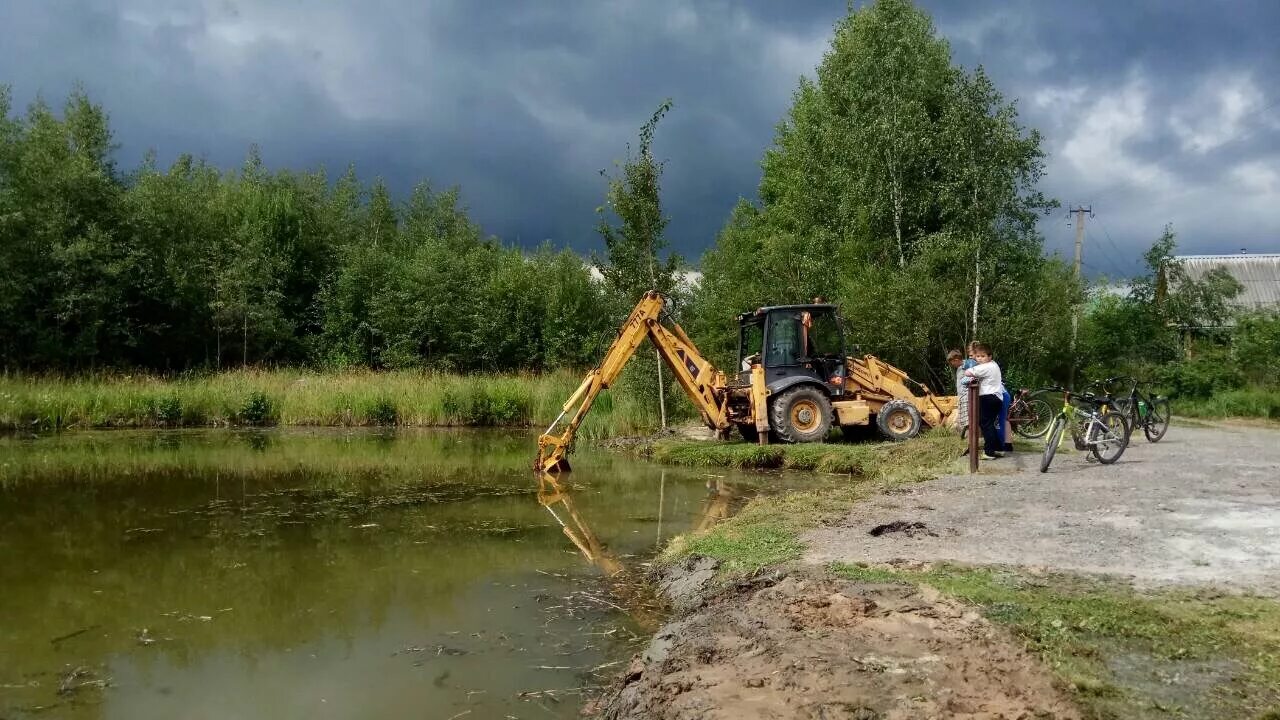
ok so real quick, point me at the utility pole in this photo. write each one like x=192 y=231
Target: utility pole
x=1080 y=212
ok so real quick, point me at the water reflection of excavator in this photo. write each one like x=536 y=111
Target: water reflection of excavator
x=557 y=498
x=795 y=382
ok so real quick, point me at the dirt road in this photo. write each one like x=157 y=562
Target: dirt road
x=1200 y=507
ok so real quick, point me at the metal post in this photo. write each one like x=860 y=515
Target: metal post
x=973 y=427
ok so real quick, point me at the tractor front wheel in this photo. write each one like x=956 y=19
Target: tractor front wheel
x=899 y=420
x=801 y=415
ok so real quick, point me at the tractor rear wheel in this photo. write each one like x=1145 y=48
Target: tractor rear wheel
x=801 y=415
x=899 y=420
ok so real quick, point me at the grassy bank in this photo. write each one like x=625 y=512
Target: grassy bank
x=1121 y=652
x=295 y=397
x=1253 y=402
x=768 y=529
x=1127 y=654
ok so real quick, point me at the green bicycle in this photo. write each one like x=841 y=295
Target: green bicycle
x=1094 y=427
x=1144 y=410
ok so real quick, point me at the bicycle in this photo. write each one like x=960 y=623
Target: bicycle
x=1099 y=430
x=1146 y=410
x=1030 y=414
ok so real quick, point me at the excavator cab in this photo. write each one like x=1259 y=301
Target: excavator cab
x=794 y=344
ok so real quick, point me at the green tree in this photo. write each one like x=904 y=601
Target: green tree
x=366 y=241
x=62 y=248
x=633 y=264
x=902 y=187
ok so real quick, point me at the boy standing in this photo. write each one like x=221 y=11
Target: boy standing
x=956 y=361
x=990 y=399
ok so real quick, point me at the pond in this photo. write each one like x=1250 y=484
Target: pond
x=326 y=573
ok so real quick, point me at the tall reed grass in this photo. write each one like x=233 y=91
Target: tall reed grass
x=299 y=397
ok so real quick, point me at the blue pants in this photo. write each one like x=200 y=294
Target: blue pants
x=988 y=416
x=1005 y=402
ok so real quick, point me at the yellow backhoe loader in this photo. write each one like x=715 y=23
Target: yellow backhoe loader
x=795 y=382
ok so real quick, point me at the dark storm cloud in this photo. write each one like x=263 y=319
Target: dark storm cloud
x=1153 y=112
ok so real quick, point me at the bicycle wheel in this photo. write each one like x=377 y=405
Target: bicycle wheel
x=1114 y=438
x=1051 y=445
x=1037 y=418
x=1157 y=421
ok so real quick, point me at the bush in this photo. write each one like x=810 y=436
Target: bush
x=382 y=411
x=1201 y=376
x=168 y=410
x=1255 y=346
x=487 y=406
x=257 y=409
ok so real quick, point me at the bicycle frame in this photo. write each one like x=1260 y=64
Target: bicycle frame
x=1134 y=400
x=1092 y=421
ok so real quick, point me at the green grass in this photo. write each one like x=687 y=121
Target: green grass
x=1081 y=627
x=298 y=397
x=1252 y=402
x=863 y=459
x=767 y=531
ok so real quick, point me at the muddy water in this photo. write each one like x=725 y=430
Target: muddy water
x=324 y=574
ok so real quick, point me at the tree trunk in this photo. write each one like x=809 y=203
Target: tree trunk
x=895 y=197
x=977 y=285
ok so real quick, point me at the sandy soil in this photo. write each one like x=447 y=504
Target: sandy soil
x=792 y=646
x=1200 y=507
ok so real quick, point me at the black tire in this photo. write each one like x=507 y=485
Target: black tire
x=899 y=420
x=749 y=432
x=801 y=415
x=1051 y=445
x=1156 y=423
x=1118 y=425
x=1040 y=414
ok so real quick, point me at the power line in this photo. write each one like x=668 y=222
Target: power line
x=1112 y=242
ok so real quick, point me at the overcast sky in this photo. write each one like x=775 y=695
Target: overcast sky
x=1154 y=111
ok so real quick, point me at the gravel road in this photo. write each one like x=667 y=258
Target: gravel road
x=1201 y=507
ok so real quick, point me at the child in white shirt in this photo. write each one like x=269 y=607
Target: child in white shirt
x=990 y=399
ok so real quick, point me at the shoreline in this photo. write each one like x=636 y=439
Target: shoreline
x=754 y=629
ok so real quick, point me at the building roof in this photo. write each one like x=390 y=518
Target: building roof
x=1259 y=273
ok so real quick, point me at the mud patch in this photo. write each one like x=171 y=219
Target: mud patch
x=910 y=529
x=804 y=646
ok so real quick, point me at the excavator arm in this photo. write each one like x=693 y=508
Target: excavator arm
x=700 y=380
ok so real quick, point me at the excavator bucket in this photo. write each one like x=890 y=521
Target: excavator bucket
x=551 y=456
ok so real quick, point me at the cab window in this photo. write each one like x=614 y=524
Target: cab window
x=784 y=339
x=751 y=343
x=824 y=336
